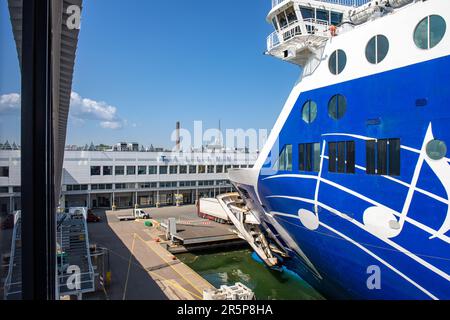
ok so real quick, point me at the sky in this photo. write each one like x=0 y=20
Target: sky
x=142 y=65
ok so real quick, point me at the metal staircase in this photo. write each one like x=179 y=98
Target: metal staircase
x=74 y=265
x=13 y=282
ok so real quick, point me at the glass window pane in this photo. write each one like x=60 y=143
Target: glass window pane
x=371 y=51
x=323 y=15
x=394 y=157
x=382 y=47
x=309 y=111
x=332 y=63
x=421 y=34
x=301 y=157
x=337 y=107
x=307 y=13
x=341 y=157
x=342 y=61
x=316 y=157
x=382 y=157
x=370 y=156
x=350 y=157
x=309 y=155
x=437 y=30
x=332 y=149
x=436 y=149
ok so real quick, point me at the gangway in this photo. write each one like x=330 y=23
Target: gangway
x=74 y=265
x=13 y=282
x=247 y=226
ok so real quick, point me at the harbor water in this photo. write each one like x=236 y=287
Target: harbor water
x=227 y=268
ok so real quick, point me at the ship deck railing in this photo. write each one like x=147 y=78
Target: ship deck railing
x=316 y=27
x=347 y=3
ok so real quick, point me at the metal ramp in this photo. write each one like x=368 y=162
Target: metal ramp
x=248 y=226
x=74 y=265
x=13 y=282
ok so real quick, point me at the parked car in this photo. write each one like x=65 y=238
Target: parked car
x=91 y=217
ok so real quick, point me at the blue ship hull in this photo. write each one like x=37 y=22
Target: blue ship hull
x=406 y=104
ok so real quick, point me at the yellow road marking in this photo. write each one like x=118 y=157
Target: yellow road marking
x=129 y=267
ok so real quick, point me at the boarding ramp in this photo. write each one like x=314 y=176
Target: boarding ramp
x=13 y=282
x=75 y=269
x=247 y=226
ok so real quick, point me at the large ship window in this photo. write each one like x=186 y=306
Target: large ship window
x=336 y=18
x=291 y=15
x=337 y=107
x=309 y=157
x=383 y=157
x=337 y=62
x=377 y=49
x=341 y=157
x=284 y=161
x=309 y=111
x=323 y=15
x=436 y=149
x=429 y=32
x=307 y=13
x=275 y=24
x=282 y=20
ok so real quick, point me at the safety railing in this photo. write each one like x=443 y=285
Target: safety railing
x=13 y=282
x=348 y=3
x=313 y=27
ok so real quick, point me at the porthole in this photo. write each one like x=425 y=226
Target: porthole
x=377 y=49
x=309 y=111
x=436 y=149
x=429 y=32
x=337 y=107
x=337 y=62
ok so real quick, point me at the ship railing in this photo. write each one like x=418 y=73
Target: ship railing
x=313 y=27
x=347 y=3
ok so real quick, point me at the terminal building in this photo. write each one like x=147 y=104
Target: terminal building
x=117 y=179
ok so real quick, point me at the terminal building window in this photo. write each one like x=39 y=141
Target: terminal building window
x=131 y=170
x=227 y=167
x=95 y=170
x=119 y=170
x=120 y=186
x=206 y=183
x=77 y=187
x=192 y=169
x=4 y=172
x=183 y=169
x=4 y=190
x=152 y=170
x=173 y=169
x=142 y=170
x=202 y=169
x=383 y=157
x=210 y=169
x=163 y=170
x=19 y=189
x=107 y=170
x=284 y=162
x=309 y=157
x=341 y=157
x=184 y=184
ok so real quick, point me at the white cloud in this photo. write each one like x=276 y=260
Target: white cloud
x=10 y=103
x=82 y=109
x=114 y=125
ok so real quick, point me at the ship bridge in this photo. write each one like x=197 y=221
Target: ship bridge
x=303 y=26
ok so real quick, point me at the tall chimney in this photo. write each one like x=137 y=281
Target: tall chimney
x=178 y=142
